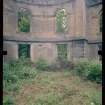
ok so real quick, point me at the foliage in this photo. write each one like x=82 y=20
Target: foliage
x=69 y=91
x=41 y=64
x=24 y=50
x=95 y=72
x=91 y=70
x=61 y=21
x=49 y=99
x=94 y=96
x=23 y=22
x=62 y=51
x=8 y=101
x=15 y=71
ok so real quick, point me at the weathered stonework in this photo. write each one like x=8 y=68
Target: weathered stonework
x=82 y=21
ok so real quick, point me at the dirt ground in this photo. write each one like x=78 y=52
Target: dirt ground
x=58 y=88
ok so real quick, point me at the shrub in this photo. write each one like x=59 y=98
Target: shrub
x=13 y=71
x=21 y=61
x=95 y=72
x=41 y=64
x=8 y=101
x=8 y=87
x=27 y=72
x=81 y=67
x=91 y=70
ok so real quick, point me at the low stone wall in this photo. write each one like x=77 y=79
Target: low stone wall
x=48 y=51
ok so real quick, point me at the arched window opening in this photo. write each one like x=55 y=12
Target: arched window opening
x=61 y=21
x=23 y=21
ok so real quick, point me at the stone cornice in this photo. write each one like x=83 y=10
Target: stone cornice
x=45 y=3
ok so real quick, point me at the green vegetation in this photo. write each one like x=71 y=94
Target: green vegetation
x=8 y=101
x=24 y=50
x=13 y=74
x=41 y=64
x=23 y=22
x=92 y=70
x=61 y=21
x=62 y=51
x=23 y=84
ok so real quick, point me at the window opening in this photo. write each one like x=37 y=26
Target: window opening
x=24 y=51
x=61 y=21
x=23 y=21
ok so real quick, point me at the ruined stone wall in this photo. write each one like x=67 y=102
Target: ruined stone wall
x=9 y=17
x=43 y=18
x=93 y=51
x=43 y=24
x=45 y=51
x=12 y=50
x=80 y=18
x=93 y=21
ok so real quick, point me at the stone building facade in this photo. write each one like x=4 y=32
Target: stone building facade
x=82 y=40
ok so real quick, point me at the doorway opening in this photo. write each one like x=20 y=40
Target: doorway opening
x=62 y=52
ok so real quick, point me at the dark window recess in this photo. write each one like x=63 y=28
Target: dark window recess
x=62 y=51
x=24 y=51
x=4 y=52
x=100 y=52
x=100 y=47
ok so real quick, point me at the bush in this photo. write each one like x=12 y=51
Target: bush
x=8 y=101
x=27 y=72
x=41 y=64
x=13 y=71
x=21 y=61
x=81 y=67
x=95 y=72
x=91 y=70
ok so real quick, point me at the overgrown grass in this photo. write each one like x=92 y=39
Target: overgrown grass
x=14 y=72
x=41 y=64
x=55 y=88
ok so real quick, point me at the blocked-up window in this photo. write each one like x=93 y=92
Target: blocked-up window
x=24 y=51
x=23 y=20
x=78 y=48
x=62 y=51
x=61 y=21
